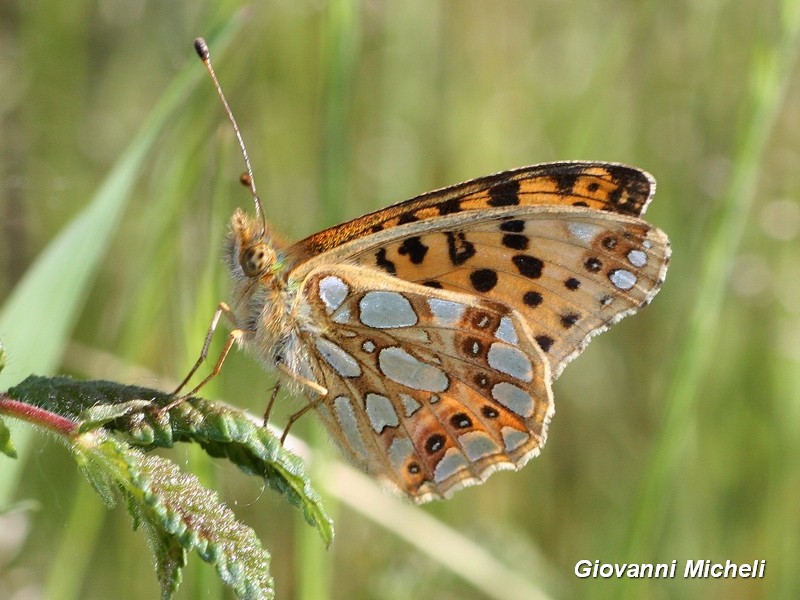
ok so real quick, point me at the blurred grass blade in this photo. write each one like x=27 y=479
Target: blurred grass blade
x=37 y=319
x=446 y=546
x=771 y=69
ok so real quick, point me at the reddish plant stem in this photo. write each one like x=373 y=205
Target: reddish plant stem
x=37 y=416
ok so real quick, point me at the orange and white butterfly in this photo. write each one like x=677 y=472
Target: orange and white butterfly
x=427 y=334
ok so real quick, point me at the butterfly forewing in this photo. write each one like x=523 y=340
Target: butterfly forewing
x=570 y=271
x=601 y=186
x=430 y=390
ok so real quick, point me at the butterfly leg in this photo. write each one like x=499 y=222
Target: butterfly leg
x=222 y=308
x=233 y=337
x=268 y=411
x=296 y=416
x=312 y=385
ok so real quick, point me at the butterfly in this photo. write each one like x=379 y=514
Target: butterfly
x=427 y=335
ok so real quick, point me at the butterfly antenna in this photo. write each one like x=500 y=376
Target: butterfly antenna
x=202 y=51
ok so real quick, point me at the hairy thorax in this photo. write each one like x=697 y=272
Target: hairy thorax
x=259 y=296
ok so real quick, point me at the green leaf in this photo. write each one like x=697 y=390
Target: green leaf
x=171 y=557
x=70 y=397
x=98 y=416
x=6 y=445
x=98 y=478
x=221 y=430
x=178 y=515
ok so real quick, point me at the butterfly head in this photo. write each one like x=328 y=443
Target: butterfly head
x=250 y=252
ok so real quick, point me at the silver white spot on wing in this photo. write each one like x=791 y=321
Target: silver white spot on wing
x=409 y=404
x=584 y=232
x=399 y=451
x=368 y=346
x=622 y=279
x=385 y=310
x=637 y=258
x=478 y=444
x=346 y=416
x=339 y=360
x=399 y=366
x=511 y=361
x=332 y=292
x=446 y=312
x=452 y=462
x=381 y=412
x=506 y=332
x=513 y=438
x=513 y=398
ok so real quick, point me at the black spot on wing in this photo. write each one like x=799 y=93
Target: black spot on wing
x=414 y=249
x=434 y=443
x=483 y=280
x=609 y=243
x=545 y=342
x=504 y=194
x=489 y=412
x=529 y=266
x=481 y=380
x=593 y=264
x=460 y=421
x=459 y=249
x=408 y=217
x=569 y=320
x=449 y=207
x=513 y=226
x=384 y=263
x=515 y=241
x=565 y=182
x=532 y=298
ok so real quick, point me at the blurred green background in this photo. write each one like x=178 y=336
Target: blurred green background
x=677 y=433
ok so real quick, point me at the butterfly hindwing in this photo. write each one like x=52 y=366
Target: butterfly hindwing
x=431 y=390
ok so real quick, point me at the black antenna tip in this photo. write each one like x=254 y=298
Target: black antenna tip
x=245 y=180
x=201 y=48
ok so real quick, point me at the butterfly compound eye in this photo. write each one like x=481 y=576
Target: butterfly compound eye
x=256 y=259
